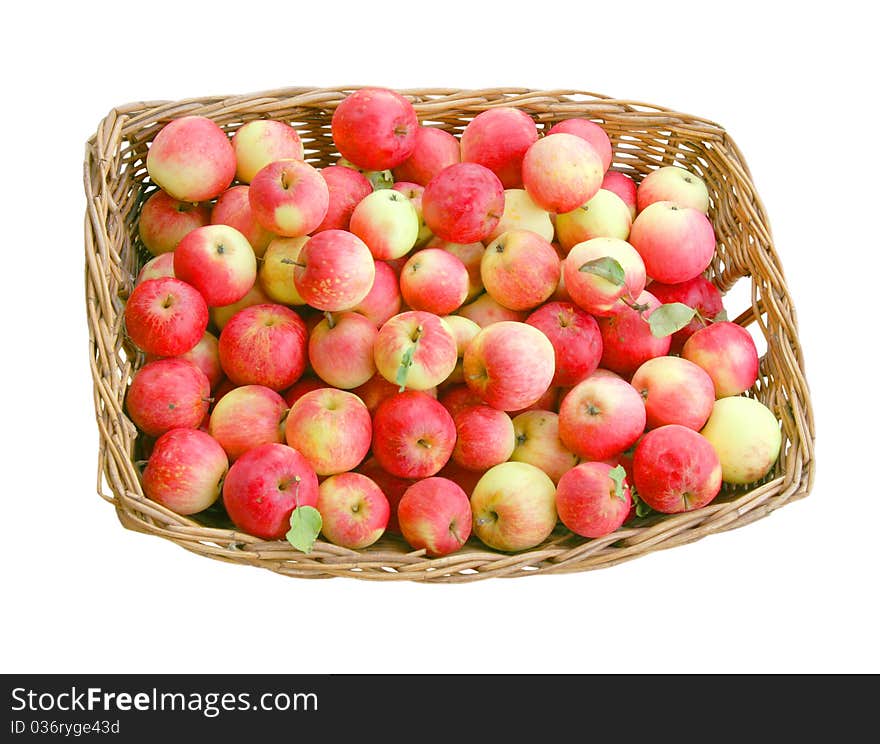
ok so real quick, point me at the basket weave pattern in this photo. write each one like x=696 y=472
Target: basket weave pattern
x=643 y=137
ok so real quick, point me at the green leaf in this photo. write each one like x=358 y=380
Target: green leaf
x=380 y=179
x=403 y=370
x=618 y=474
x=642 y=509
x=721 y=317
x=606 y=267
x=669 y=318
x=305 y=525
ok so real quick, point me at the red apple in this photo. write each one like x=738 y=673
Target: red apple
x=595 y=292
x=263 y=141
x=590 y=502
x=698 y=293
x=218 y=261
x=435 y=281
x=383 y=301
x=341 y=350
x=247 y=417
x=520 y=269
x=289 y=198
x=624 y=186
x=165 y=316
x=346 y=187
x=538 y=443
x=435 y=149
x=354 y=510
x=334 y=271
x=463 y=203
x=561 y=172
x=484 y=437
x=435 y=514
x=627 y=340
x=168 y=394
x=577 y=342
x=416 y=350
x=233 y=208
x=675 y=391
x=164 y=221
x=592 y=133
x=728 y=354
x=498 y=139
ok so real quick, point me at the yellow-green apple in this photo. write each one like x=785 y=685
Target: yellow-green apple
x=435 y=281
x=675 y=391
x=470 y=254
x=264 y=486
x=604 y=216
x=698 y=293
x=484 y=437
x=220 y=316
x=520 y=269
x=392 y=486
x=464 y=330
x=676 y=243
x=485 y=310
x=435 y=149
x=601 y=417
x=509 y=364
x=413 y=435
x=246 y=417
x=375 y=128
x=346 y=187
x=463 y=203
x=165 y=316
x=675 y=469
x=591 y=287
x=168 y=394
x=277 y=270
x=164 y=221
x=538 y=443
x=435 y=514
x=413 y=192
x=218 y=261
x=675 y=184
x=592 y=501
x=233 y=208
x=624 y=186
x=331 y=428
x=264 y=345
x=302 y=386
x=185 y=470
x=334 y=271
x=561 y=172
x=514 y=506
x=341 y=349
x=592 y=133
x=191 y=159
x=387 y=222
x=289 y=198
x=521 y=213
x=416 y=350
x=746 y=436
x=206 y=356
x=354 y=511
x=577 y=342
x=383 y=301
x=728 y=354
x=156 y=267
x=627 y=339
x=263 y=141
x=498 y=139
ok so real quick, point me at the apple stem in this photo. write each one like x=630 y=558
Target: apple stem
x=423 y=443
x=331 y=322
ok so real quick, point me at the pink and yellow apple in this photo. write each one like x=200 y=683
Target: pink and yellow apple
x=341 y=350
x=435 y=149
x=675 y=391
x=521 y=213
x=595 y=292
x=484 y=438
x=590 y=132
x=156 y=267
x=346 y=188
x=218 y=261
x=435 y=281
x=675 y=184
x=603 y=216
x=165 y=221
x=727 y=352
x=416 y=350
x=485 y=310
x=353 y=509
x=561 y=172
x=498 y=139
x=520 y=269
x=387 y=222
x=263 y=141
x=435 y=514
x=464 y=330
x=289 y=198
x=538 y=443
x=590 y=502
x=220 y=316
x=334 y=271
x=246 y=417
x=277 y=270
x=624 y=186
x=470 y=254
x=463 y=203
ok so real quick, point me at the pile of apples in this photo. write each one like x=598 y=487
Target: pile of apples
x=438 y=336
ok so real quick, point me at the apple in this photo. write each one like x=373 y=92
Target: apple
x=601 y=417
x=346 y=188
x=165 y=316
x=595 y=292
x=698 y=293
x=218 y=261
x=485 y=310
x=435 y=149
x=624 y=186
x=246 y=417
x=592 y=133
x=470 y=254
x=514 y=506
x=185 y=470
x=675 y=184
x=728 y=354
x=435 y=281
x=168 y=394
x=164 y=221
x=341 y=350
x=520 y=269
x=233 y=208
x=484 y=437
x=521 y=213
x=463 y=203
x=392 y=486
x=413 y=435
x=289 y=198
x=435 y=515
x=675 y=391
x=746 y=437
x=277 y=269
x=538 y=443
x=387 y=222
x=302 y=386
x=334 y=271
x=509 y=364
x=498 y=139
x=264 y=345
x=264 y=486
x=263 y=141
x=413 y=192
x=464 y=330
x=156 y=267
x=627 y=340
x=590 y=502
x=603 y=216
x=675 y=469
x=206 y=356
x=576 y=339
x=191 y=159
x=561 y=172
x=416 y=350
x=383 y=301
x=354 y=510
x=220 y=316
x=375 y=128
x=676 y=243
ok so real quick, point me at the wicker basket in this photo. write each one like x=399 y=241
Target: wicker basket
x=643 y=136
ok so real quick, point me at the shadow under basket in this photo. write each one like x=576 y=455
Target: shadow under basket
x=643 y=136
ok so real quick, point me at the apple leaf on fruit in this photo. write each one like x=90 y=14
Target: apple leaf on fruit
x=606 y=267
x=617 y=474
x=403 y=370
x=305 y=525
x=669 y=318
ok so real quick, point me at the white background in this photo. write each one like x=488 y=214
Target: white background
x=794 y=592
